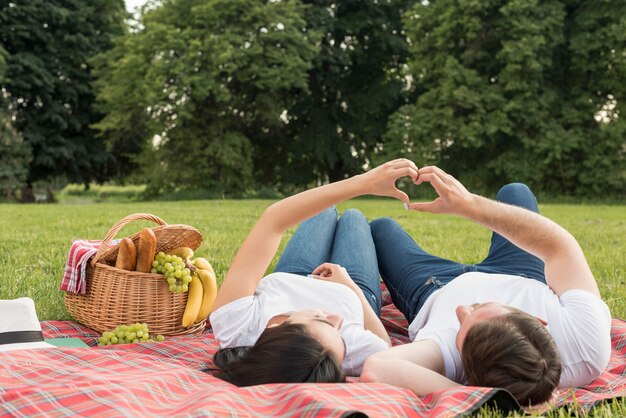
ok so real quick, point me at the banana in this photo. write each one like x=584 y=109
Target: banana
x=203 y=263
x=194 y=301
x=183 y=252
x=209 y=285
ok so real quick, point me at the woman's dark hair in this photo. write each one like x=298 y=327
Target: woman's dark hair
x=286 y=353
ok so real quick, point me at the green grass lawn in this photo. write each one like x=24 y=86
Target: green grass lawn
x=35 y=239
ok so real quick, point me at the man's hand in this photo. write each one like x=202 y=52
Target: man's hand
x=453 y=196
x=334 y=273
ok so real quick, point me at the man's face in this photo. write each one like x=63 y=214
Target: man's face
x=469 y=316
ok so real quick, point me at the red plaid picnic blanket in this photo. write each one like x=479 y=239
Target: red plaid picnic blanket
x=168 y=379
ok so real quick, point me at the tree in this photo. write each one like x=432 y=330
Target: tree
x=47 y=85
x=196 y=81
x=334 y=127
x=508 y=91
x=14 y=154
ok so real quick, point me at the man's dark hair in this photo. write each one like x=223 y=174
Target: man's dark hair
x=286 y=353
x=515 y=352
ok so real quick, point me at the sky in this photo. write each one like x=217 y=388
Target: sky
x=132 y=4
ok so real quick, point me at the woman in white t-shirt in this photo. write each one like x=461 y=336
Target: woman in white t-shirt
x=315 y=319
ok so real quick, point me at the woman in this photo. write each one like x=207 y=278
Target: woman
x=287 y=327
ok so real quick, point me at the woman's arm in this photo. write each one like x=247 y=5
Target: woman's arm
x=338 y=274
x=259 y=248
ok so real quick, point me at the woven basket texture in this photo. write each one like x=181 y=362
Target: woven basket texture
x=121 y=297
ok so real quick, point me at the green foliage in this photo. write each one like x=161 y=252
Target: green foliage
x=14 y=154
x=508 y=91
x=354 y=85
x=76 y=193
x=48 y=78
x=202 y=76
x=14 y=158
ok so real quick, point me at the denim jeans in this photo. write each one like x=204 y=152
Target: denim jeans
x=346 y=241
x=412 y=275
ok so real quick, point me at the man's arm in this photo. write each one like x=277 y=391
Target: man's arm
x=565 y=265
x=417 y=366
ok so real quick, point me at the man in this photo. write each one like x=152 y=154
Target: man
x=529 y=318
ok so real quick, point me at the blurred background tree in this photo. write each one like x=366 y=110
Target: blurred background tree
x=521 y=90
x=47 y=86
x=334 y=127
x=233 y=97
x=14 y=153
x=199 y=84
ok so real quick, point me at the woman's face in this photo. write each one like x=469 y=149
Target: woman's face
x=325 y=327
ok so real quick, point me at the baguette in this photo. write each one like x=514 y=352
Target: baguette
x=126 y=255
x=146 y=250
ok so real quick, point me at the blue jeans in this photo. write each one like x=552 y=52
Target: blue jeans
x=412 y=275
x=346 y=241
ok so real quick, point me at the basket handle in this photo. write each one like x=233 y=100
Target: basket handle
x=119 y=225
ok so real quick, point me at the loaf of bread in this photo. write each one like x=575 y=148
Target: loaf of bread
x=146 y=250
x=126 y=255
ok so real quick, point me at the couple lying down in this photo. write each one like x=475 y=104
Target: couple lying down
x=528 y=318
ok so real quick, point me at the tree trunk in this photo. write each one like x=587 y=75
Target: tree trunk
x=27 y=195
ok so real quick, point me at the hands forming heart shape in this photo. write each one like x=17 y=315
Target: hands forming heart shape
x=453 y=196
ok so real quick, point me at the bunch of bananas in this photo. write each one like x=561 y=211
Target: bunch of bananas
x=202 y=288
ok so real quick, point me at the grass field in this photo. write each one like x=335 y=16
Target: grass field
x=35 y=239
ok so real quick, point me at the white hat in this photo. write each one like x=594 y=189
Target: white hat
x=19 y=327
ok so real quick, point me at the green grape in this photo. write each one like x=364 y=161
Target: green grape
x=175 y=271
x=125 y=334
x=160 y=338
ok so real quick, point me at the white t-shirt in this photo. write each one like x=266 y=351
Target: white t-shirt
x=241 y=322
x=579 y=321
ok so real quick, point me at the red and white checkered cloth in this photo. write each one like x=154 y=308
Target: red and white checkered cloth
x=166 y=379
x=74 y=275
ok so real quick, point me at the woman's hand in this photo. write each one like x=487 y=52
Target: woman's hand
x=334 y=273
x=381 y=181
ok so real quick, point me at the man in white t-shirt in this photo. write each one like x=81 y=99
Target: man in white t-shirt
x=529 y=318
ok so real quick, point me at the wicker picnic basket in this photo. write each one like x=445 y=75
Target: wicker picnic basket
x=121 y=297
